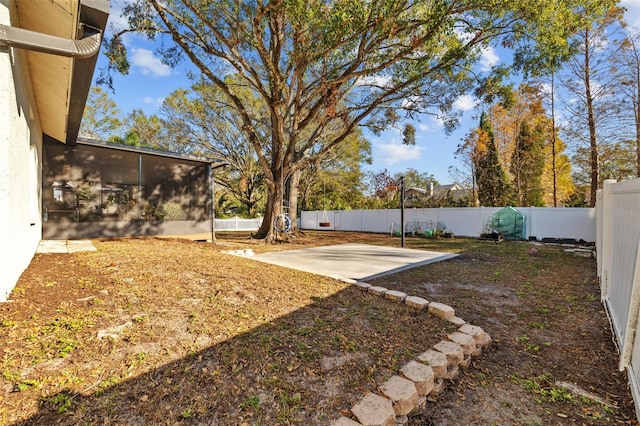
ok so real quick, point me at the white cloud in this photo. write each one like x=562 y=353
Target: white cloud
x=148 y=63
x=423 y=127
x=394 y=153
x=116 y=20
x=153 y=101
x=464 y=103
x=375 y=80
x=632 y=15
x=488 y=58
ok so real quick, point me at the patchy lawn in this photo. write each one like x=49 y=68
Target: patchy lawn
x=150 y=331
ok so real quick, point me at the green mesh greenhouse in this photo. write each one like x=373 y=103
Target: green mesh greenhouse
x=510 y=223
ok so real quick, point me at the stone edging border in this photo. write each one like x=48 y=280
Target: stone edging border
x=408 y=391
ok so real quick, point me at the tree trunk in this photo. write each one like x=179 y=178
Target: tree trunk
x=593 y=142
x=637 y=114
x=275 y=192
x=553 y=142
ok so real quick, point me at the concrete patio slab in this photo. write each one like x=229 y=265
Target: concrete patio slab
x=65 y=246
x=353 y=261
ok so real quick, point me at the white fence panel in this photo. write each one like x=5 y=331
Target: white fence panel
x=238 y=224
x=370 y=221
x=618 y=232
x=469 y=222
x=621 y=229
x=575 y=223
x=349 y=219
x=310 y=219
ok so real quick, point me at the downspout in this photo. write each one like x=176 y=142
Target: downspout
x=45 y=43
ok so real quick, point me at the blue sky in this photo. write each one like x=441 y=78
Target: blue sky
x=149 y=82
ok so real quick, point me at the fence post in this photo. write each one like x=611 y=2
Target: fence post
x=607 y=236
x=599 y=222
x=632 y=318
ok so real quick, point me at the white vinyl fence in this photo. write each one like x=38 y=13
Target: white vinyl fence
x=618 y=249
x=238 y=224
x=541 y=222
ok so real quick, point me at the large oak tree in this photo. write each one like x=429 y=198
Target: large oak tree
x=319 y=66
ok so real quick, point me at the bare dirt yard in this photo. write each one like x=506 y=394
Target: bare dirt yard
x=169 y=331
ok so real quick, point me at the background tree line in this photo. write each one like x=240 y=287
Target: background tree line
x=309 y=76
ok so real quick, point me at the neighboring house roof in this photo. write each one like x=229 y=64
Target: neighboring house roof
x=419 y=192
x=442 y=189
x=435 y=191
x=60 y=83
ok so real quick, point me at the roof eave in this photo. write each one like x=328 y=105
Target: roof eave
x=60 y=40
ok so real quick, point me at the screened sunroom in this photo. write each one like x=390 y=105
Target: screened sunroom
x=98 y=189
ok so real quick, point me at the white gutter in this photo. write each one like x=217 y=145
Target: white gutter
x=45 y=43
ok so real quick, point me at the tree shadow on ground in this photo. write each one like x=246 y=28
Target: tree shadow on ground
x=301 y=368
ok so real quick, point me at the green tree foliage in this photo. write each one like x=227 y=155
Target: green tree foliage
x=409 y=135
x=617 y=161
x=321 y=69
x=383 y=190
x=560 y=169
x=626 y=67
x=145 y=131
x=201 y=123
x=528 y=106
x=338 y=181
x=591 y=103
x=415 y=179
x=527 y=166
x=101 y=118
x=493 y=186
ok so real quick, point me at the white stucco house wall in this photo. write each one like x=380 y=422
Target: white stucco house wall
x=48 y=53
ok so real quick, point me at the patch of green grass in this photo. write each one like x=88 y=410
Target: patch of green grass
x=344 y=342
x=252 y=401
x=65 y=346
x=186 y=413
x=137 y=359
x=542 y=386
x=533 y=348
x=19 y=383
x=110 y=382
x=64 y=324
x=538 y=325
x=305 y=352
x=559 y=394
x=62 y=402
x=289 y=404
x=88 y=283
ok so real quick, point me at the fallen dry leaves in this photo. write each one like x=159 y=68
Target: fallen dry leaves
x=150 y=331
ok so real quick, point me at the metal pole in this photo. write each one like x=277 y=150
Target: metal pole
x=402 y=210
x=140 y=186
x=212 y=198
